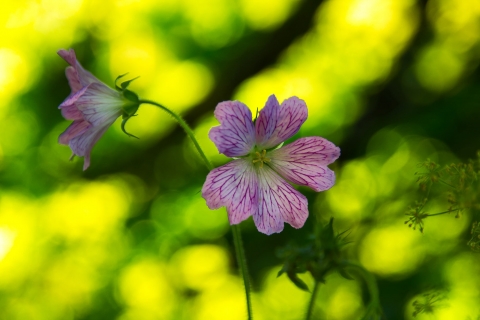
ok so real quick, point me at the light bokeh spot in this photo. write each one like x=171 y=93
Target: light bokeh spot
x=392 y=251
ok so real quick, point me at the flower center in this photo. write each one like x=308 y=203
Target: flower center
x=261 y=157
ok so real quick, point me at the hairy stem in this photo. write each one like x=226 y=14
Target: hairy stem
x=185 y=127
x=311 y=304
x=242 y=264
x=237 y=237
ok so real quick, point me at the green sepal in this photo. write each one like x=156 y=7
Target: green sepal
x=130 y=95
x=125 y=119
x=282 y=271
x=129 y=109
x=118 y=78
x=125 y=84
x=297 y=281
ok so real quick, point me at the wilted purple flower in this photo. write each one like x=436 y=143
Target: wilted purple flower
x=92 y=105
x=253 y=183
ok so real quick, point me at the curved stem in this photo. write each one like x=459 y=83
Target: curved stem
x=311 y=304
x=237 y=237
x=185 y=127
x=242 y=264
x=437 y=214
x=374 y=305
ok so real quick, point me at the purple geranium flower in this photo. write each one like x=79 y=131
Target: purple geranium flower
x=92 y=105
x=254 y=183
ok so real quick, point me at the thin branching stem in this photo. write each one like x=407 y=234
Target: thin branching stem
x=439 y=213
x=237 y=237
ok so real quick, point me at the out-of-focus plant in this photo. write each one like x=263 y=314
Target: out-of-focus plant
x=457 y=185
x=428 y=303
x=324 y=254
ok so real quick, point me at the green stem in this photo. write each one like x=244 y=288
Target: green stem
x=373 y=308
x=437 y=214
x=448 y=184
x=311 y=304
x=185 y=127
x=237 y=237
x=242 y=264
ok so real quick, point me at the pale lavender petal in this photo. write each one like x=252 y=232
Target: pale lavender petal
x=293 y=113
x=71 y=112
x=266 y=122
x=233 y=185
x=75 y=129
x=279 y=202
x=235 y=136
x=71 y=99
x=73 y=79
x=304 y=162
x=78 y=75
x=69 y=56
x=82 y=144
x=99 y=103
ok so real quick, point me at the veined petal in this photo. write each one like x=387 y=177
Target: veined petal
x=304 y=162
x=71 y=99
x=235 y=136
x=79 y=74
x=292 y=114
x=73 y=79
x=99 y=103
x=279 y=202
x=71 y=112
x=233 y=185
x=83 y=143
x=266 y=122
x=75 y=129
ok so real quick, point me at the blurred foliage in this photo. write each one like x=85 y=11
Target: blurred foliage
x=322 y=255
x=392 y=82
x=461 y=195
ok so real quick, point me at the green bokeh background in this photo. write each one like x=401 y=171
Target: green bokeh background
x=392 y=82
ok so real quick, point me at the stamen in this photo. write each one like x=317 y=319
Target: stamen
x=261 y=157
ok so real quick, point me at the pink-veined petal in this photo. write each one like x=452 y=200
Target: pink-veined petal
x=99 y=103
x=235 y=136
x=71 y=112
x=292 y=114
x=79 y=74
x=304 y=162
x=233 y=185
x=71 y=99
x=266 y=122
x=82 y=144
x=75 y=129
x=279 y=202
x=73 y=79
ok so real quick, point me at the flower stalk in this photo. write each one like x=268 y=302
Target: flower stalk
x=185 y=127
x=311 y=304
x=237 y=237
